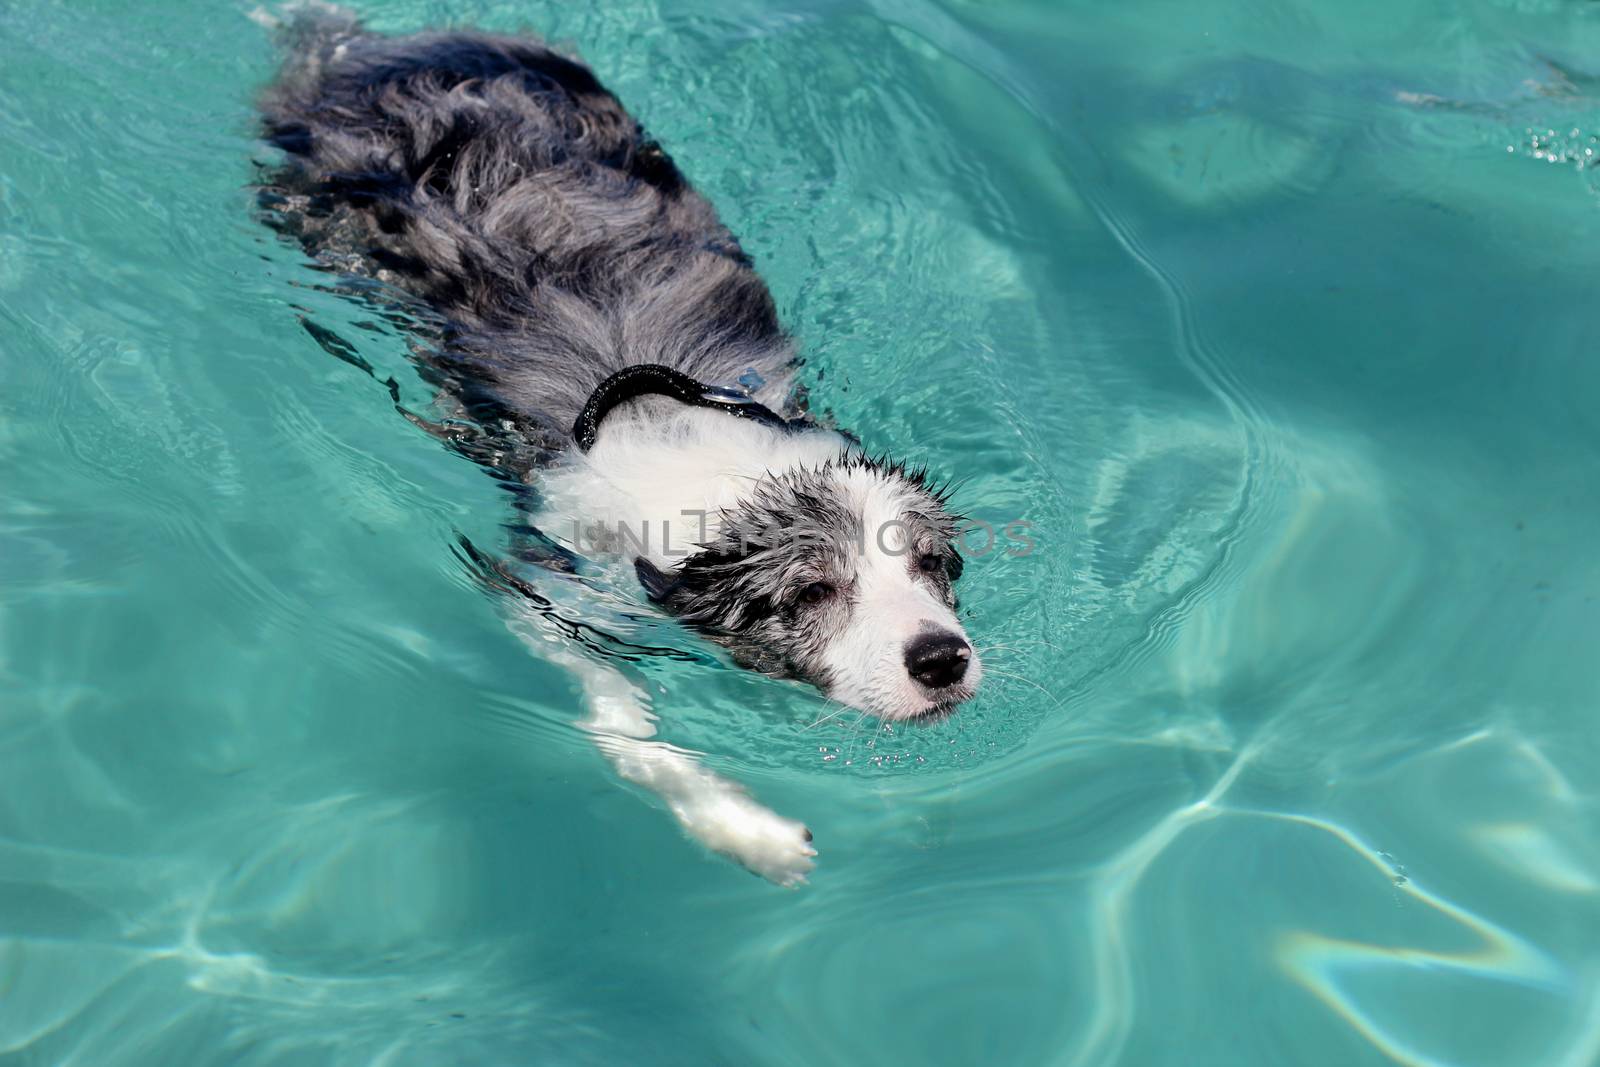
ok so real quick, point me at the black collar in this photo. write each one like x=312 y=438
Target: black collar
x=647 y=379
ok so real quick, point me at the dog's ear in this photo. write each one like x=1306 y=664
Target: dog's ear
x=658 y=584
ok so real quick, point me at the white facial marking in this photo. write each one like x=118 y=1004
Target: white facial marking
x=891 y=607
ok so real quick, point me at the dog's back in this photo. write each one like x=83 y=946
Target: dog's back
x=505 y=186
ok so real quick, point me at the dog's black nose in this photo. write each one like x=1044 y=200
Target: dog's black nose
x=938 y=660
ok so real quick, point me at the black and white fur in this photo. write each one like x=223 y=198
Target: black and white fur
x=499 y=182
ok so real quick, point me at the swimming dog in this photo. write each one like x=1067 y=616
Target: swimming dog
x=609 y=334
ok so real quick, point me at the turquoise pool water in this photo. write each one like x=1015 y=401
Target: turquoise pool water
x=1274 y=320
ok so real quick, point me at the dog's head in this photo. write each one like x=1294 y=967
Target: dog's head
x=839 y=574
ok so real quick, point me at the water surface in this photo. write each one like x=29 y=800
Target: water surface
x=1275 y=321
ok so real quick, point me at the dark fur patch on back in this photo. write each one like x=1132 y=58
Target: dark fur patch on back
x=502 y=182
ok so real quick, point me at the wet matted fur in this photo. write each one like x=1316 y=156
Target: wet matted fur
x=501 y=184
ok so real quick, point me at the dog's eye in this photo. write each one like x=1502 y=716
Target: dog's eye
x=816 y=593
x=928 y=563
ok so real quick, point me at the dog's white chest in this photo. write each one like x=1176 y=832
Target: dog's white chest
x=656 y=486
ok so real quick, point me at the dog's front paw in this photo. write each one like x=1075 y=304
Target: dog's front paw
x=781 y=852
x=766 y=843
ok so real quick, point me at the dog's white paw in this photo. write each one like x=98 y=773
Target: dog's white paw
x=766 y=843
